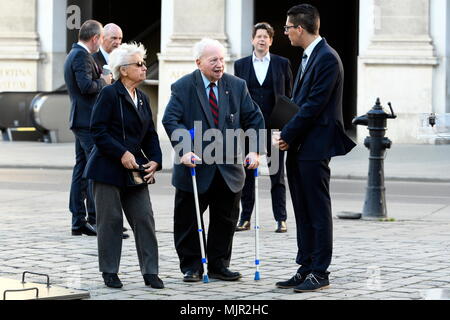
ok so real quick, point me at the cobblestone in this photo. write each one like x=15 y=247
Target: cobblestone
x=372 y=260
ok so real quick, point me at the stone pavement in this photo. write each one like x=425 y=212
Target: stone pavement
x=403 y=162
x=400 y=260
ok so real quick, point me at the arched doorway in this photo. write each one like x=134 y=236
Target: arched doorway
x=339 y=25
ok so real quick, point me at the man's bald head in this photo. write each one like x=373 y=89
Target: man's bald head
x=112 y=37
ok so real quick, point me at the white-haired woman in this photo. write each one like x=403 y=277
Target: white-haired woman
x=124 y=160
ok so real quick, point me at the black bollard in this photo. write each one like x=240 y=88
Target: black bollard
x=377 y=143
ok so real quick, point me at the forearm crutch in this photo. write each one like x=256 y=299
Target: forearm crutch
x=256 y=215
x=199 y=223
x=197 y=210
x=257 y=261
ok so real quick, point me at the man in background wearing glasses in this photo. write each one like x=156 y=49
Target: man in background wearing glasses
x=267 y=76
x=313 y=136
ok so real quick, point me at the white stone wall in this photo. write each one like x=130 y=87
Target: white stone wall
x=397 y=63
x=403 y=56
x=19 y=45
x=52 y=34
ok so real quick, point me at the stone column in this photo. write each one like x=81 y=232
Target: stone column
x=52 y=34
x=185 y=22
x=19 y=46
x=396 y=64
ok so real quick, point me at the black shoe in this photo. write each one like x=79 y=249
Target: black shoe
x=86 y=229
x=224 y=274
x=153 y=281
x=281 y=227
x=112 y=280
x=125 y=235
x=243 y=226
x=192 y=276
x=313 y=283
x=293 y=282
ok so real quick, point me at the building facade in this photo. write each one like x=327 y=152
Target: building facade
x=397 y=50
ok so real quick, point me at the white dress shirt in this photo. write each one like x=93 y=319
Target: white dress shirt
x=261 y=67
x=105 y=55
x=135 y=98
x=84 y=46
x=308 y=51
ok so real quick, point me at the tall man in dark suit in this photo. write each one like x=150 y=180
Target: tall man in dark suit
x=112 y=39
x=267 y=76
x=215 y=104
x=313 y=136
x=84 y=81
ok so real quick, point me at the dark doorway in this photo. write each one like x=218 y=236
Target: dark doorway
x=140 y=21
x=339 y=25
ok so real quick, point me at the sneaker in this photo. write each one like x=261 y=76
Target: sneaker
x=293 y=282
x=313 y=283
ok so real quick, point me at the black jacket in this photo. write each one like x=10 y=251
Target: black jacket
x=116 y=127
x=83 y=82
x=188 y=106
x=317 y=132
x=281 y=68
x=99 y=60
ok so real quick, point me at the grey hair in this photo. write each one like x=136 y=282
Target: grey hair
x=199 y=48
x=122 y=55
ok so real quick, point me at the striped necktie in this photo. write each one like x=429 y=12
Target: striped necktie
x=213 y=104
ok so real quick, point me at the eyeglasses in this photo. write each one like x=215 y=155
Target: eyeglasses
x=139 y=64
x=286 y=28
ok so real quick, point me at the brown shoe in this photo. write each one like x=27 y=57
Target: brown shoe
x=243 y=226
x=282 y=227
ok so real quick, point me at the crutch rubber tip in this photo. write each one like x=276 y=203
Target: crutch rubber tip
x=257 y=276
x=205 y=278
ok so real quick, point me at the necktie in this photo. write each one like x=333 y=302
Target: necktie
x=304 y=60
x=213 y=104
x=300 y=72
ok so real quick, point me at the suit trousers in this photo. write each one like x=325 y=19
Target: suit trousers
x=309 y=184
x=81 y=188
x=223 y=215
x=136 y=204
x=277 y=191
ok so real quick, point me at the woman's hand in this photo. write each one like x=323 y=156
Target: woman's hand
x=150 y=168
x=129 y=161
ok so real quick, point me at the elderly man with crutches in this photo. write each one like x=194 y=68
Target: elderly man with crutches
x=213 y=102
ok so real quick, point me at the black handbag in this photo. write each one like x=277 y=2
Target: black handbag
x=135 y=177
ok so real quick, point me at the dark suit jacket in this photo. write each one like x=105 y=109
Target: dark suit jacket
x=281 y=68
x=317 y=130
x=188 y=103
x=108 y=129
x=83 y=83
x=99 y=60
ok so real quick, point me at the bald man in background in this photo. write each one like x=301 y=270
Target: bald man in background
x=112 y=39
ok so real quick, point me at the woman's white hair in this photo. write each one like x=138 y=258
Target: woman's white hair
x=122 y=55
x=199 y=48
